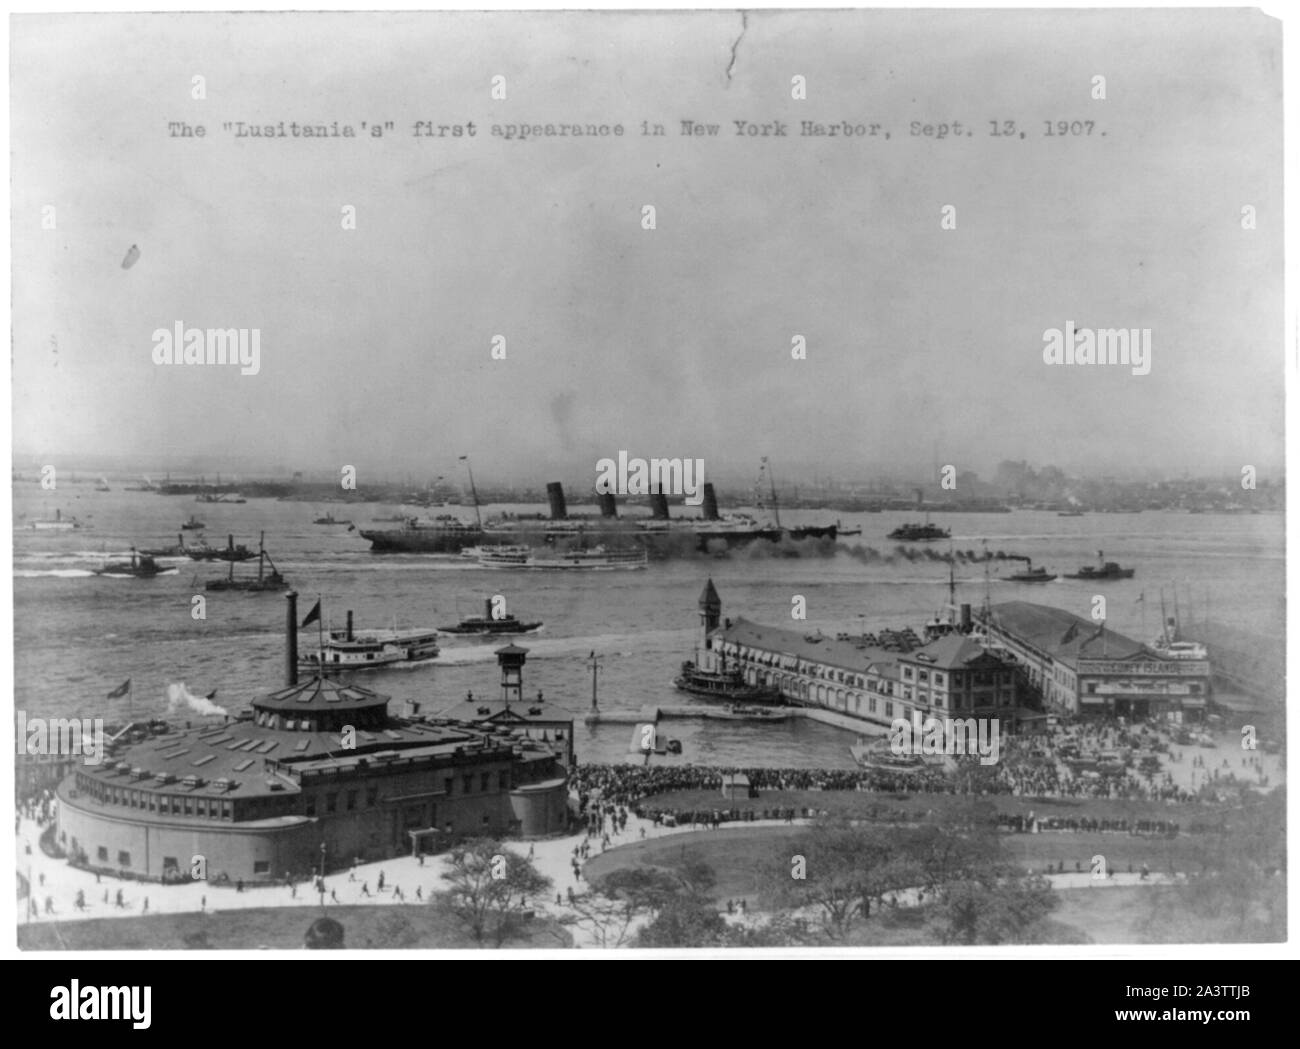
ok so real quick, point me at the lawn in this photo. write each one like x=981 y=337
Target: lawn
x=418 y=926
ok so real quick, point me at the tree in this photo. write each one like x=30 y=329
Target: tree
x=838 y=868
x=991 y=910
x=686 y=920
x=610 y=909
x=490 y=887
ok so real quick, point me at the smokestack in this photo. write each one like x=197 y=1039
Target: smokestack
x=230 y=541
x=555 y=493
x=658 y=506
x=608 y=507
x=349 y=624
x=965 y=619
x=291 y=639
x=710 y=502
x=487 y=608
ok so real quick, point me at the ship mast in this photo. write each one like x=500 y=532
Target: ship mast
x=473 y=491
x=771 y=480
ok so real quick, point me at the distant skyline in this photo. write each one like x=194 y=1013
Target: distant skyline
x=924 y=345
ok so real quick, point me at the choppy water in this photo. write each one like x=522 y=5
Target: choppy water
x=78 y=635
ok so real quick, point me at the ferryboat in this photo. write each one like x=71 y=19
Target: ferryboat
x=1102 y=571
x=489 y=625
x=500 y=555
x=141 y=566
x=58 y=523
x=596 y=559
x=344 y=650
x=725 y=684
x=919 y=533
x=230 y=552
x=264 y=581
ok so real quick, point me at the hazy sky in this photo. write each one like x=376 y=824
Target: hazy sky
x=923 y=344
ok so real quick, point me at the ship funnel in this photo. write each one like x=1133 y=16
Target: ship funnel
x=710 y=502
x=659 y=506
x=555 y=493
x=349 y=624
x=965 y=619
x=291 y=639
x=608 y=507
x=487 y=608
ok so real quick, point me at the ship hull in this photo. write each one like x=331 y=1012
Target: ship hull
x=658 y=540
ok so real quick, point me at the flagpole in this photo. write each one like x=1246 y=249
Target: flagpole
x=320 y=637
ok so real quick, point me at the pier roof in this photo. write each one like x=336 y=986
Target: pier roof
x=813 y=646
x=1063 y=635
x=951 y=652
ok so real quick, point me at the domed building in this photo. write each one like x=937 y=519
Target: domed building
x=316 y=769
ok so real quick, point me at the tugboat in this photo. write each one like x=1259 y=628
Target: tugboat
x=272 y=580
x=595 y=559
x=919 y=533
x=1104 y=570
x=328 y=519
x=141 y=566
x=193 y=524
x=487 y=624
x=103 y=485
x=230 y=552
x=1032 y=575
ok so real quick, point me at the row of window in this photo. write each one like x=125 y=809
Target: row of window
x=152 y=801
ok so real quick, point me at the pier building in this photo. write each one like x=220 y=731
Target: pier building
x=1086 y=668
x=315 y=775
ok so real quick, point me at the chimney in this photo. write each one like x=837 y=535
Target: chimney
x=965 y=619
x=658 y=506
x=608 y=507
x=291 y=639
x=349 y=635
x=555 y=493
x=710 y=502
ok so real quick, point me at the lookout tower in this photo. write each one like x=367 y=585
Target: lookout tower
x=511 y=660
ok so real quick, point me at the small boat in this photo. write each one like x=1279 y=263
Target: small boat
x=1103 y=570
x=224 y=497
x=877 y=756
x=193 y=524
x=141 y=566
x=1069 y=513
x=489 y=624
x=103 y=485
x=178 y=550
x=1032 y=575
x=264 y=581
x=329 y=519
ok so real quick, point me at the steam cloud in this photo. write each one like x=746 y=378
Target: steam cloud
x=179 y=696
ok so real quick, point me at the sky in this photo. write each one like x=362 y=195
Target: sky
x=924 y=344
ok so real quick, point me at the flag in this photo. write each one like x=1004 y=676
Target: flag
x=313 y=615
x=121 y=690
x=1070 y=634
x=211 y=694
x=463 y=458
